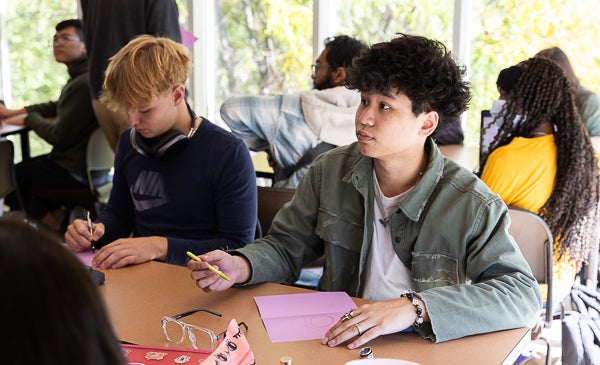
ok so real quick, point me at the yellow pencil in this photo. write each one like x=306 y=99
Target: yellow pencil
x=210 y=267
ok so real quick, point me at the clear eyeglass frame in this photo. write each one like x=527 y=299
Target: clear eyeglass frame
x=64 y=38
x=201 y=338
x=314 y=68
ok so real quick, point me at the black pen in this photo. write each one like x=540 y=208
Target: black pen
x=89 y=223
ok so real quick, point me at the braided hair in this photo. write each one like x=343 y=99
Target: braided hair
x=542 y=93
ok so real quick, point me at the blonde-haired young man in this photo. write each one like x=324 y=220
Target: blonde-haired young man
x=181 y=183
x=108 y=26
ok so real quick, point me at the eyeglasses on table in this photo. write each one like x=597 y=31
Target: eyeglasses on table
x=200 y=338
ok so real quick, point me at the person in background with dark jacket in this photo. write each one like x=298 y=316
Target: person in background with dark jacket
x=111 y=24
x=66 y=124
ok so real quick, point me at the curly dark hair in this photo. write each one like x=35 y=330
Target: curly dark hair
x=342 y=50
x=418 y=67
x=543 y=93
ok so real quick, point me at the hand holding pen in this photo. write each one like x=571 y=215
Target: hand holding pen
x=83 y=235
x=91 y=228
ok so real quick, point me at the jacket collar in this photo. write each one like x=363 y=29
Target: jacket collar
x=78 y=68
x=360 y=175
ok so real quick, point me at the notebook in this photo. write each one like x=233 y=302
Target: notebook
x=141 y=355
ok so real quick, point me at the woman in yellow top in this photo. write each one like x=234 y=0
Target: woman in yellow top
x=543 y=160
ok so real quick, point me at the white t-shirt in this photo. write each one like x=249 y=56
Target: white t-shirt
x=387 y=277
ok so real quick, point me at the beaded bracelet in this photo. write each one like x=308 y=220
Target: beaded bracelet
x=411 y=295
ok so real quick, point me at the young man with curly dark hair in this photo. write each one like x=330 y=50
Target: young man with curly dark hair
x=398 y=223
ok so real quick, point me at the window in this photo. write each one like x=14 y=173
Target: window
x=377 y=21
x=506 y=32
x=29 y=72
x=266 y=47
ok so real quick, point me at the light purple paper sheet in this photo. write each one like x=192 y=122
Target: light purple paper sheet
x=85 y=257
x=297 y=317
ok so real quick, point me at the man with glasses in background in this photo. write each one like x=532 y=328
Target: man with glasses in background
x=66 y=124
x=295 y=128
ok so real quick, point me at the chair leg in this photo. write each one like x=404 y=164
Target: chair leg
x=548 y=350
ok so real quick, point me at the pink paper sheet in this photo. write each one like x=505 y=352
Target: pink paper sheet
x=297 y=317
x=85 y=257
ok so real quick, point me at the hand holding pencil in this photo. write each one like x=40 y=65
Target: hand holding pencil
x=210 y=267
x=235 y=269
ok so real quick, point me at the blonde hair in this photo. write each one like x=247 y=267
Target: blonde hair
x=142 y=70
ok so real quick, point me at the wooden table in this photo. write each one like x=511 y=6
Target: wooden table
x=23 y=132
x=260 y=161
x=139 y=296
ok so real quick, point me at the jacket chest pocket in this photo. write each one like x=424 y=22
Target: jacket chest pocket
x=339 y=231
x=433 y=270
x=342 y=240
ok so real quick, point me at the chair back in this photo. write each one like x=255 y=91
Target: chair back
x=7 y=168
x=8 y=179
x=270 y=200
x=534 y=238
x=99 y=165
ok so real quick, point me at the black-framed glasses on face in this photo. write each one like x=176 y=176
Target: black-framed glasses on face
x=200 y=337
x=63 y=38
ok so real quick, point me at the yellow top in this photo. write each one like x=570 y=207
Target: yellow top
x=523 y=173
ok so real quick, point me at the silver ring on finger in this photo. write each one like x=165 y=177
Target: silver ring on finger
x=358 y=329
x=348 y=315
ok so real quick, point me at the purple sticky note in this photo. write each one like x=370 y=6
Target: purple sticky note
x=187 y=38
x=296 y=317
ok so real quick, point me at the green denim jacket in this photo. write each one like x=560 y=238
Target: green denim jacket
x=451 y=232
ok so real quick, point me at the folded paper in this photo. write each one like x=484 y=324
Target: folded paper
x=307 y=316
